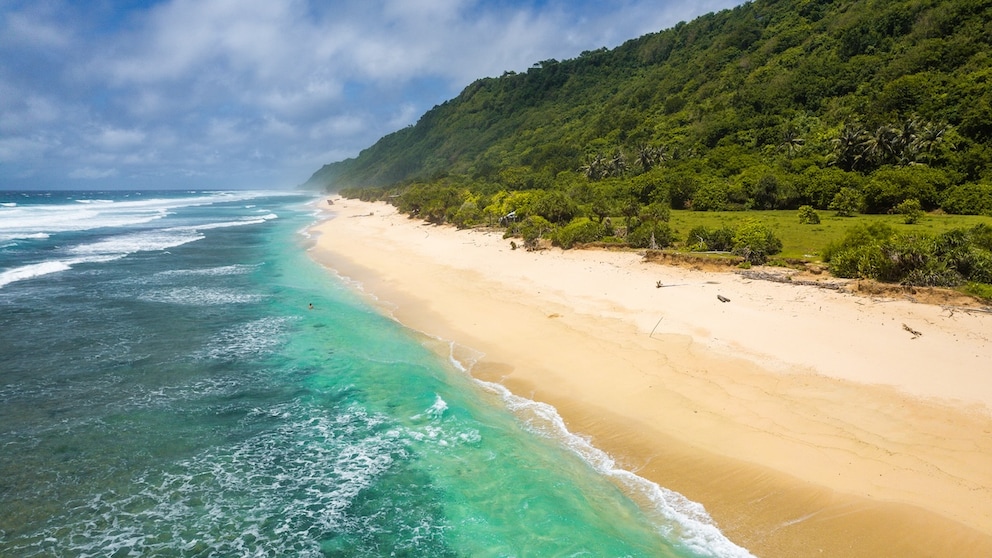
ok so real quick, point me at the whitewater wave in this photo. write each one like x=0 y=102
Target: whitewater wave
x=283 y=492
x=31 y=271
x=200 y=296
x=17 y=220
x=246 y=341
x=225 y=270
x=144 y=241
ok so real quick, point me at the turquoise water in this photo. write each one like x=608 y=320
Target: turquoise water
x=165 y=390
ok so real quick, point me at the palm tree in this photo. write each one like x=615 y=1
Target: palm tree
x=928 y=139
x=595 y=168
x=849 y=148
x=906 y=141
x=618 y=164
x=791 y=142
x=883 y=146
x=647 y=156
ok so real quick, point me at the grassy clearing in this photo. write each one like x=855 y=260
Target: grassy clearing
x=806 y=242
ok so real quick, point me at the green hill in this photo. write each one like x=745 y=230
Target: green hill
x=773 y=104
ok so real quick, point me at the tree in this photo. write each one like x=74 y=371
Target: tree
x=846 y=202
x=791 y=141
x=554 y=206
x=651 y=215
x=754 y=242
x=849 y=147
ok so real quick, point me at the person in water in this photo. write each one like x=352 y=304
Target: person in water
x=311 y=306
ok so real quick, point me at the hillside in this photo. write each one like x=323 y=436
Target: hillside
x=770 y=104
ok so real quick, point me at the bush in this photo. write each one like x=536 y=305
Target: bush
x=889 y=186
x=754 y=242
x=712 y=196
x=846 y=202
x=865 y=262
x=701 y=239
x=859 y=235
x=660 y=234
x=968 y=199
x=808 y=215
x=945 y=260
x=532 y=228
x=579 y=231
x=911 y=211
x=554 y=206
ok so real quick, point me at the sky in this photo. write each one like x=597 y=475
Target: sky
x=222 y=94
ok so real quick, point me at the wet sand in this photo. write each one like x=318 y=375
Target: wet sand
x=808 y=422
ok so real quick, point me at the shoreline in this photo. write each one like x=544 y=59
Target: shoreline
x=804 y=420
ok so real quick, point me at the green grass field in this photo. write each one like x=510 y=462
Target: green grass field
x=806 y=242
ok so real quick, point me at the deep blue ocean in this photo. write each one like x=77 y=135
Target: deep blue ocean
x=166 y=390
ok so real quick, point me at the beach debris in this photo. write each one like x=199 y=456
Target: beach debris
x=656 y=326
x=835 y=285
x=722 y=298
x=911 y=330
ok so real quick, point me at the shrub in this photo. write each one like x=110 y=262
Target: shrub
x=889 y=186
x=554 y=206
x=754 y=242
x=712 y=196
x=846 y=202
x=865 y=261
x=650 y=235
x=933 y=274
x=701 y=239
x=911 y=211
x=968 y=199
x=859 y=235
x=533 y=228
x=808 y=215
x=944 y=260
x=578 y=232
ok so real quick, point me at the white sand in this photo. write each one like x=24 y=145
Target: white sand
x=805 y=420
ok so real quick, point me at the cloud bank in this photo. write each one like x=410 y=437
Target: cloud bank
x=260 y=93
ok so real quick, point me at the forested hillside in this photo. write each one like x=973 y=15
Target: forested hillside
x=774 y=104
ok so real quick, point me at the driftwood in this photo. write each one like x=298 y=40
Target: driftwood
x=911 y=330
x=782 y=278
x=722 y=298
x=952 y=309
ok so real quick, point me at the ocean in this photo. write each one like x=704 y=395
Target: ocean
x=166 y=389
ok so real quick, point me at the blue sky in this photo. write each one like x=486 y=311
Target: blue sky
x=261 y=93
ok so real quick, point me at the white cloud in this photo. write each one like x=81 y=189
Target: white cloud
x=37 y=28
x=89 y=173
x=188 y=86
x=337 y=126
x=115 y=139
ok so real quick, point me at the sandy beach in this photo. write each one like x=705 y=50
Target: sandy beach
x=808 y=422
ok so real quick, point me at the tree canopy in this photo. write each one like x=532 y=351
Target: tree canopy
x=773 y=104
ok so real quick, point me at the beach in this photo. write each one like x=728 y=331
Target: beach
x=807 y=421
